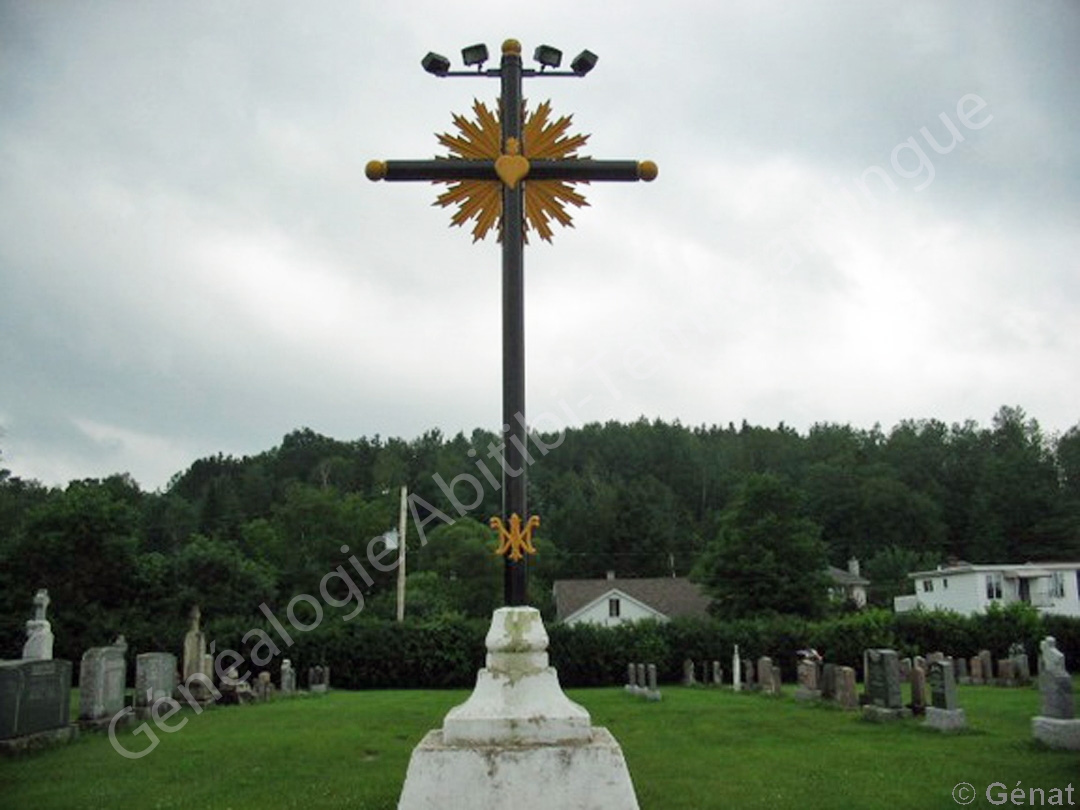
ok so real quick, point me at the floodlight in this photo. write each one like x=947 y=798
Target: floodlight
x=475 y=55
x=584 y=62
x=548 y=56
x=435 y=64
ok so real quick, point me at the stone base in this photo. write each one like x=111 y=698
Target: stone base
x=806 y=695
x=880 y=714
x=40 y=739
x=1057 y=733
x=586 y=775
x=945 y=719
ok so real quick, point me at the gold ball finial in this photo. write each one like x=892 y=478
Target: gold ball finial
x=375 y=170
x=511 y=47
x=647 y=170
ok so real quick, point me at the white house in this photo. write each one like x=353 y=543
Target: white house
x=613 y=601
x=968 y=588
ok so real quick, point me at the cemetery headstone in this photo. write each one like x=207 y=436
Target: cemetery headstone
x=652 y=692
x=764 y=674
x=631 y=678
x=960 y=670
x=717 y=674
x=688 y=673
x=987 y=666
x=736 y=670
x=288 y=677
x=35 y=702
x=1057 y=726
x=750 y=680
x=847 y=695
x=977 y=676
x=39 y=636
x=155 y=679
x=828 y=682
x=919 y=662
x=807 y=674
x=194 y=661
x=102 y=683
x=318 y=679
x=918 y=690
x=884 y=699
x=932 y=657
x=777 y=681
x=944 y=712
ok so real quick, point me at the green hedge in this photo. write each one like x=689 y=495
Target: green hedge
x=447 y=652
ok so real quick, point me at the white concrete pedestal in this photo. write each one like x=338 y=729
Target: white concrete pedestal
x=518 y=741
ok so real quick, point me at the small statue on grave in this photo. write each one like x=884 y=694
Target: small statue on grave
x=39 y=637
x=1053 y=660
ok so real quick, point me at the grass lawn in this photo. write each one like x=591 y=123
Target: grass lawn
x=697 y=748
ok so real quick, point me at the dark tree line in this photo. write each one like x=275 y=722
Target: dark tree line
x=748 y=510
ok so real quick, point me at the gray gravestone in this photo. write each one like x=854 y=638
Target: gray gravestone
x=942 y=686
x=807 y=676
x=977 y=675
x=288 y=677
x=749 y=679
x=688 y=678
x=155 y=679
x=764 y=674
x=1006 y=674
x=717 y=674
x=631 y=678
x=943 y=713
x=828 y=682
x=987 y=667
x=918 y=690
x=960 y=669
x=194 y=660
x=884 y=699
x=35 y=696
x=102 y=683
x=847 y=695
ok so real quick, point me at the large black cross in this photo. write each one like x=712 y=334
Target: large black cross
x=514 y=171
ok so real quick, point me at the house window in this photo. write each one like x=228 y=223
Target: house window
x=994 y=583
x=1057 y=585
x=928 y=585
x=945 y=584
x=613 y=608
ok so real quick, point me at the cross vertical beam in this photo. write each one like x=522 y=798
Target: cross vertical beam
x=515 y=475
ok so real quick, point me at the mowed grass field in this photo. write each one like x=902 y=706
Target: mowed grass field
x=697 y=748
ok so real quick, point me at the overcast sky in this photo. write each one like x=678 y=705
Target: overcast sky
x=866 y=212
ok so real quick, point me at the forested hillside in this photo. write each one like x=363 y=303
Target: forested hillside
x=642 y=499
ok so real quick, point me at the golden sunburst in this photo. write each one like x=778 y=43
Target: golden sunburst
x=481 y=200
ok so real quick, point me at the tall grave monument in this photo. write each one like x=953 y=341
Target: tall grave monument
x=518 y=741
x=1057 y=725
x=35 y=692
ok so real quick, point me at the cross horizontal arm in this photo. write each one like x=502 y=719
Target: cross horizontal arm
x=578 y=170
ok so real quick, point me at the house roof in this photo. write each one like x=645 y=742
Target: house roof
x=841 y=577
x=671 y=596
x=1010 y=570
